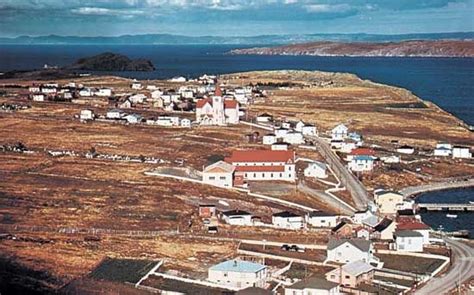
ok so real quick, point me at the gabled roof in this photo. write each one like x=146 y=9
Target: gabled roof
x=407 y=233
x=339 y=226
x=357 y=268
x=279 y=168
x=238 y=266
x=362 y=151
x=321 y=214
x=410 y=223
x=313 y=283
x=265 y=115
x=360 y=244
x=202 y=102
x=231 y=104
x=384 y=224
x=236 y=212
x=261 y=156
x=285 y=214
x=220 y=167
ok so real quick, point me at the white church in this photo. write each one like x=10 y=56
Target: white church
x=217 y=110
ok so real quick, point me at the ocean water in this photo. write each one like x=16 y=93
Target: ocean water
x=465 y=220
x=448 y=82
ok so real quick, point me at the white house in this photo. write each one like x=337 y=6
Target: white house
x=345 y=250
x=361 y=164
x=103 y=92
x=219 y=174
x=293 y=138
x=156 y=94
x=281 y=132
x=406 y=149
x=34 y=89
x=239 y=274
x=288 y=220
x=186 y=123
x=114 y=114
x=408 y=241
x=136 y=85
x=48 y=90
x=133 y=118
x=269 y=139
x=388 y=202
x=414 y=224
x=86 y=115
x=339 y=132
x=177 y=79
x=321 y=219
x=280 y=146
x=443 y=150
x=237 y=217
x=309 y=129
x=85 y=92
x=461 y=152
x=264 y=165
x=264 y=118
x=38 y=97
x=137 y=98
x=337 y=143
x=313 y=286
x=316 y=169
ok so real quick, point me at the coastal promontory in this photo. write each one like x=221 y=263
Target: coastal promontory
x=109 y=61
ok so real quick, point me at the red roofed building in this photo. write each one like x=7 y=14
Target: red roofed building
x=264 y=165
x=414 y=224
x=217 y=110
x=360 y=152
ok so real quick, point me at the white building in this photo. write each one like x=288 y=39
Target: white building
x=288 y=220
x=137 y=98
x=339 y=132
x=186 y=123
x=103 y=92
x=136 y=85
x=406 y=149
x=114 y=114
x=345 y=250
x=408 y=241
x=388 y=202
x=293 y=138
x=309 y=129
x=48 y=90
x=264 y=118
x=237 y=217
x=219 y=174
x=217 y=110
x=86 y=115
x=313 y=286
x=178 y=79
x=38 y=97
x=86 y=92
x=461 y=152
x=156 y=94
x=361 y=164
x=239 y=274
x=269 y=139
x=321 y=219
x=34 y=89
x=133 y=118
x=316 y=169
x=281 y=132
x=280 y=146
x=443 y=150
x=264 y=165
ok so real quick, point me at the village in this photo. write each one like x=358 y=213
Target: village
x=273 y=199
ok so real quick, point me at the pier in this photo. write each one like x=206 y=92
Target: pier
x=445 y=207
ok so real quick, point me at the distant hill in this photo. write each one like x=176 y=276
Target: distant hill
x=167 y=39
x=419 y=48
x=111 y=62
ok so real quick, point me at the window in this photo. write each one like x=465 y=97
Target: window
x=347 y=277
x=281 y=175
x=271 y=175
x=246 y=175
x=263 y=175
x=255 y=175
x=225 y=274
x=212 y=178
x=222 y=178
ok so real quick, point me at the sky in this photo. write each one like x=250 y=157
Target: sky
x=232 y=17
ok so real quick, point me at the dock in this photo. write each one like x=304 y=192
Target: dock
x=467 y=207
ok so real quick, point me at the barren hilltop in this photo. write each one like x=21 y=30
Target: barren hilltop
x=442 y=48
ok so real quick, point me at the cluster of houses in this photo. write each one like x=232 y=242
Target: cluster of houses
x=53 y=91
x=456 y=151
x=13 y=107
x=285 y=132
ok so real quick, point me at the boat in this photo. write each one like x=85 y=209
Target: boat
x=452 y=215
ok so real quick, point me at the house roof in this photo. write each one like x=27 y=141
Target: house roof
x=236 y=212
x=238 y=266
x=363 y=158
x=220 y=167
x=218 y=91
x=313 y=283
x=320 y=213
x=261 y=156
x=202 y=102
x=407 y=233
x=360 y=244
x=227 y=103
x=254 y=291
x=362 y=151
x=230 y=103
x=410 y=223
x=260 y=168
x=285 y=214
x=384 y=224
x=265 y=115
x=357 y=268
x=383 y=192
x=339 y=226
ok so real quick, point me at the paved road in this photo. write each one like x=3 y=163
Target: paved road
x=353 y=185
x=461 y=270
x=413 y=190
